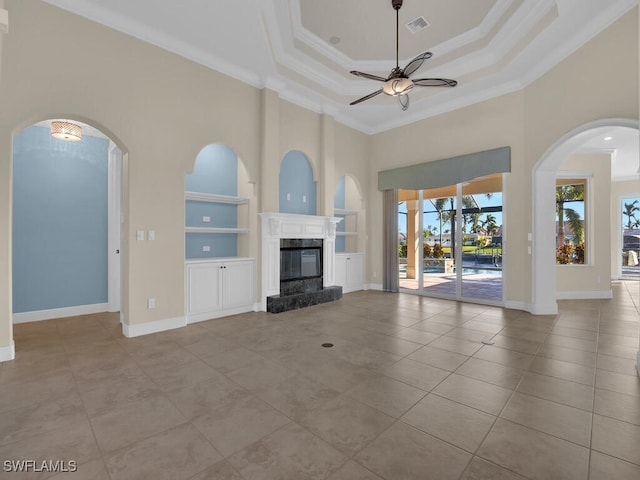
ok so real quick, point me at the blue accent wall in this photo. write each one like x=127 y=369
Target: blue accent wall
x=339 y=202
x=215 y=171
x=296 y=179
x=59 y=221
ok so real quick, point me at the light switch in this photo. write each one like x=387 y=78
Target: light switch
x=304 y=199
x=529 y=249
x=151 y=234
x=151 y=303
x=288 y=196
x=206 y=219
x=140 y=235
x=529 y=236
x=206 y=248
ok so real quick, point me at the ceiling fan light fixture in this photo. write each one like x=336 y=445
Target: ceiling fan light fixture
x=398 y=83
x=397 y=86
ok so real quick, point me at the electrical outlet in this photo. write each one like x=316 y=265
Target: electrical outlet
x=151 y=235
x=206 y=248
x=304 y=199
x=206 y=219
x=140 y=235
x=151 y=303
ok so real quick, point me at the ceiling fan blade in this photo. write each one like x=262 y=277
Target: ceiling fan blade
x=404 y=101
x=368 y=75
x=366 y=97
x=416 y=63
x=435 y=82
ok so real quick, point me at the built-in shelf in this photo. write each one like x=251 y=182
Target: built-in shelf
x=346 y=234
x=215 y=230
x=342 y=211
x=215 y=198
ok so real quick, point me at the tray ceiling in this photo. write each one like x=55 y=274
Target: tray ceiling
x=304 y=49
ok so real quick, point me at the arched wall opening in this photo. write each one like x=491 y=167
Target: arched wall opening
x=544 y=173
x=66 y=223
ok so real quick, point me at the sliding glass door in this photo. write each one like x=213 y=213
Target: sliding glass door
x=451 y=240
x=482 y=239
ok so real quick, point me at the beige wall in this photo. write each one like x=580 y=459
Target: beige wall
x=162 y=110
x=490 y=124
x=600 y=80
x=593 y=278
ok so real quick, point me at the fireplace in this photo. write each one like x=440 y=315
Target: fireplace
x=298 y=261
x=300 y=265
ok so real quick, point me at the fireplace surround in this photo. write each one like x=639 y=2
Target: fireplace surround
x=305 y=274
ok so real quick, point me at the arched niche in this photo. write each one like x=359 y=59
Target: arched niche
x=347 y=203
x=297 y=188
x=218 y=172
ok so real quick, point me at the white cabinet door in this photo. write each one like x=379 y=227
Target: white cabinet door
x=355 y=272
x=349 y=271
x=238 y=284
x=341 y=270
x=203 y=287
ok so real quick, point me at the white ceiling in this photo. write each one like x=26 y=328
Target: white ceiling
x=304 y=49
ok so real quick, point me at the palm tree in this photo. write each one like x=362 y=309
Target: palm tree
x=566 y=194
x=430 y=230
x=575 y=225
x=630 y=210
x=444 y=216
x=489 y=224
x=469 y=202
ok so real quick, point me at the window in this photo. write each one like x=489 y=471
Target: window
x=571 y=194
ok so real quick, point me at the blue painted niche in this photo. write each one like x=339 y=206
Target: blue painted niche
x=59 y=221
x=215 y=172
x=297 y=190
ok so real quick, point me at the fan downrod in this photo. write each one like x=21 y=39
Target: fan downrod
x=396 y=4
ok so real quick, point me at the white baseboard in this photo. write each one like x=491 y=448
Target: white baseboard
x=38 y=315
x=210 y=315
x=599 y=294
x=8 y=352
x=373 y=286
x=543 y=308
x=156 y=326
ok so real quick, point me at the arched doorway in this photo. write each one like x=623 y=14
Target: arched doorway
x=67 y=221
x=544 y=286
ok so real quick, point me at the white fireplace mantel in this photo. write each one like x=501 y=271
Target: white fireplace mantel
x=287 y=225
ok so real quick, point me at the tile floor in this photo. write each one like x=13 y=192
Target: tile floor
x=409 y=391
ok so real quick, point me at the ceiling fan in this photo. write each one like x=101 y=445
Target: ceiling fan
x=398 y=83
